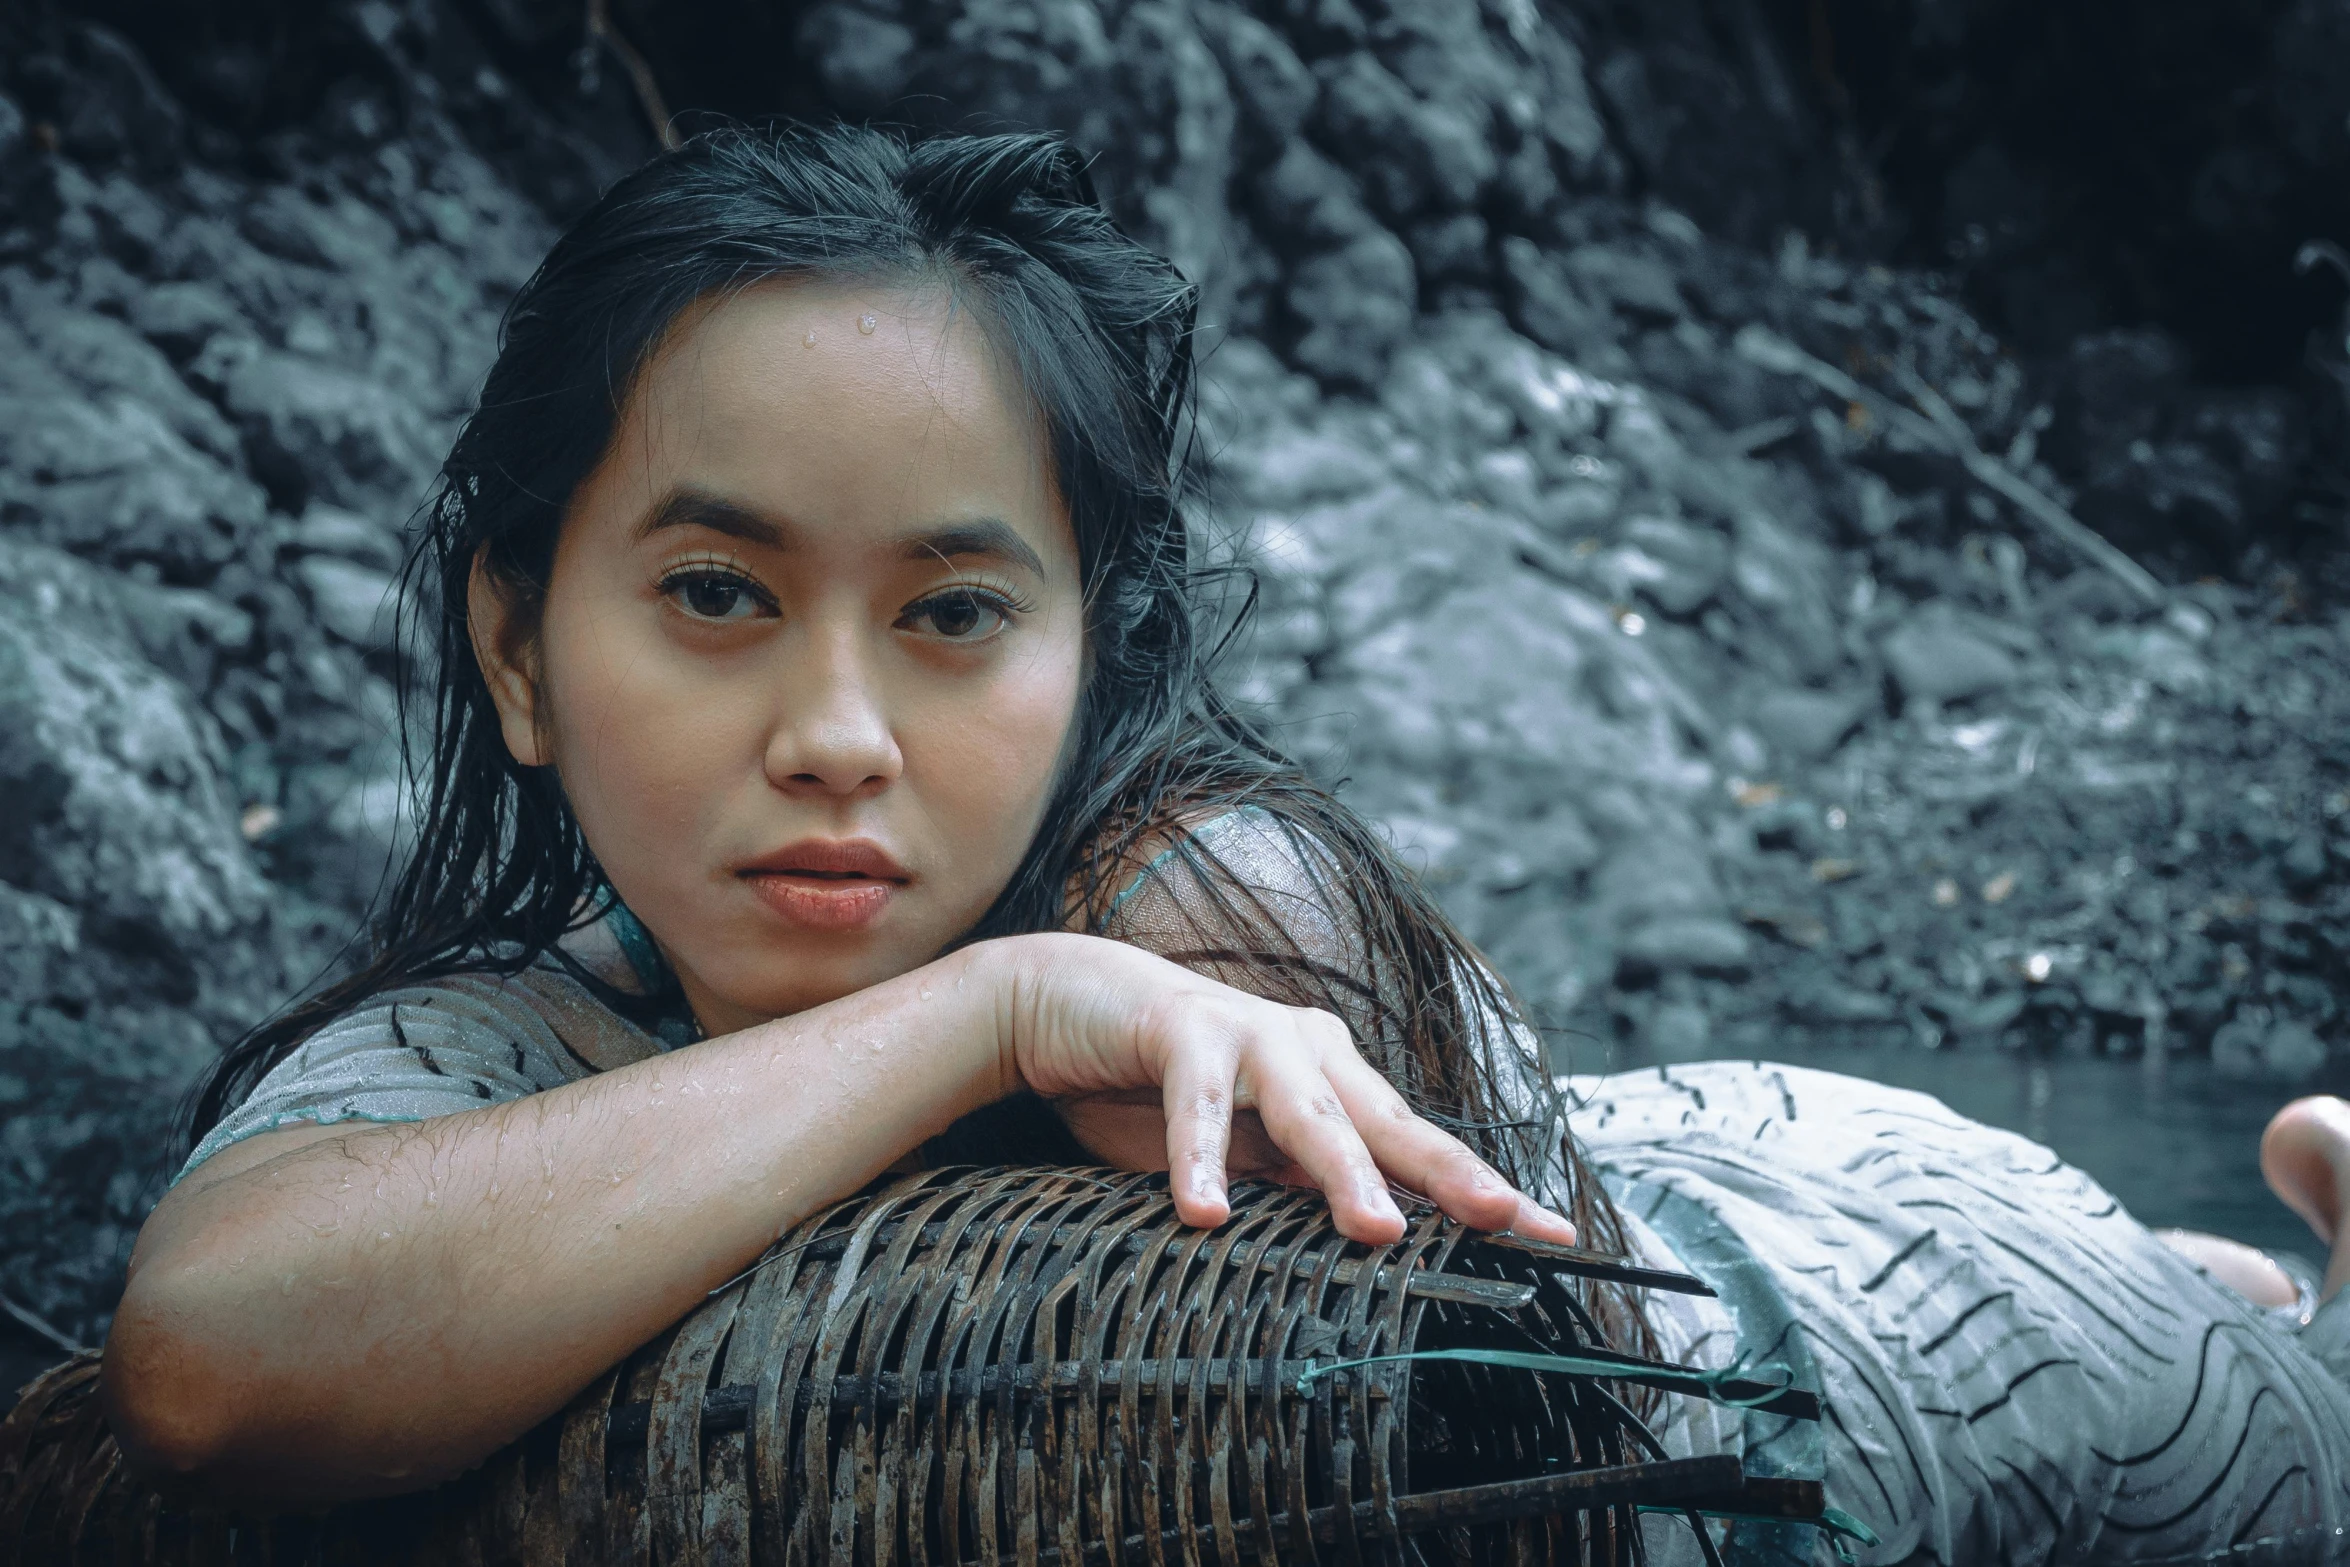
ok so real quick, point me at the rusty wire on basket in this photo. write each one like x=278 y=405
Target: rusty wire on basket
x=1024 y=1368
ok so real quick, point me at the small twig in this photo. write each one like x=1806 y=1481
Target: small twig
x=640 y=75
x=1768 y=432
x=1941 y=428
x=39 y=1327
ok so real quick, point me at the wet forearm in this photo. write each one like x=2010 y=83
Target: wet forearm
x=379 y=1309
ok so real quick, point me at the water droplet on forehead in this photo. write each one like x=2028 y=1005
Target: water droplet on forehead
x=866 y=323
x=810 y=339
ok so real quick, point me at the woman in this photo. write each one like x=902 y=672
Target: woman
x=825 y=780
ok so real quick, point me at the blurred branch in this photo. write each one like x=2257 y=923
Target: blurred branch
x=640 y=75
x=38 y=1327
x=1940 y=428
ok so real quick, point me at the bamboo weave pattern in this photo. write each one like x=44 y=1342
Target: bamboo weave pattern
x=1017 y=1368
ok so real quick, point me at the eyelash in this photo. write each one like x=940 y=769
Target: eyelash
x=715 y=571
x=1005 y=603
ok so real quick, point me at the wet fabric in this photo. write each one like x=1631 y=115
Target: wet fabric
x=2013 y=1369
x=426 y=1050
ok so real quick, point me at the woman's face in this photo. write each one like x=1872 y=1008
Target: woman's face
x=811 y=646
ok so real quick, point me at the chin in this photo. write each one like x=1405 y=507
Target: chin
x=810 y=979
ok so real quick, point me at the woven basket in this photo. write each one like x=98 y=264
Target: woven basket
x=1020 y=1368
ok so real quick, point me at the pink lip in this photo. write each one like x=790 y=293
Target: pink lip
x=826 y=883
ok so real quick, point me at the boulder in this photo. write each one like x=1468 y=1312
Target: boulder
x=1935 y=657
x=321 y=430
x=1275 y=90
x=1807 y=726
x=113 y=775
x=1352 y=306
x=1412 y=155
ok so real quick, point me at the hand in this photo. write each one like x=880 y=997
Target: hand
x=1105 y=1030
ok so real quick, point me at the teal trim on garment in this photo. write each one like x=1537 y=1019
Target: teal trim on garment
x=1781 y=1447
x=636 y=945
x=1197 y=835
x=675 y=1029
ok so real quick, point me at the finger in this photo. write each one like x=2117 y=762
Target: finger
x=1308 y=1120
x=1432 y=1161
x=1197 y=1094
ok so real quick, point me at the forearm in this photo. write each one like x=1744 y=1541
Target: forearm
x=373 y=1311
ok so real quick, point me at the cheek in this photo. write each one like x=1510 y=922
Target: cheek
x=988 y=759
x=647 y=744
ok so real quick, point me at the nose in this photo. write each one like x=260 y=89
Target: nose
x=834 y=735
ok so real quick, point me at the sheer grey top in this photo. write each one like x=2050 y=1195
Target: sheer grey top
x=464 y=1041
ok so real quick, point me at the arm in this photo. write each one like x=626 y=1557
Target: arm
x=351 y=1312
x=368 y=1310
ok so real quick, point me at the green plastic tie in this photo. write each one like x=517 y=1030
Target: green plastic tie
x=1841 y=1528
x=1576 y=1365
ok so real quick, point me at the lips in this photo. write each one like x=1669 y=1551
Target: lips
x=836 y=884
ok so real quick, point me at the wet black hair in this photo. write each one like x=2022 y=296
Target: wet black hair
x=1100 y=330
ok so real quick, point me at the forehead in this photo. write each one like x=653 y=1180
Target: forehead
x=845 y=401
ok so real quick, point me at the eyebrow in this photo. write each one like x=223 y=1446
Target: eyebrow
x=988 y=538
x=700 y=509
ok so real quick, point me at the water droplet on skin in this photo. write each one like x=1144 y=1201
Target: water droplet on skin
x=866 y=323
x=810 y=340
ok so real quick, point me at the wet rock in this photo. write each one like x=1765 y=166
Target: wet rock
x=1673 y=565
x=865 y=58
x=353 y=601
x=1273 y=85
x=1838 y=1005
x=1548 y=307
x=2306 y=865
x=2255 y=1043
x=113 y=773
x=319 y=429
x=2162 y=655
x=1353 y=306
x=1684 y=943
x=1450 y=248
x=336 y=530
x=1786 y=576
x=1635 y=285
x=1306 y=199
x=106 y=359
x=181 y=317
x=1805 y=726
x=1657 y=877
x=1412 y=154
x=1936 y=657
x=1680 y=1031
x=186 y=632
x=113 y=481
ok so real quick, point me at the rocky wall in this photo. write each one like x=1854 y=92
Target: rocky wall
x=1688 y=608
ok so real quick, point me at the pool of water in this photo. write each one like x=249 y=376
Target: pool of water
x=2177 y=1142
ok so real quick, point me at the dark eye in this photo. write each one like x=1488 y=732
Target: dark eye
x=959 y=616
x=714 y=595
